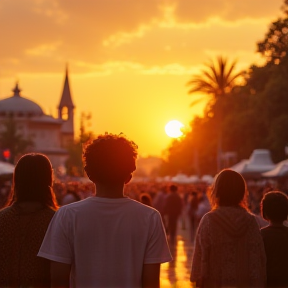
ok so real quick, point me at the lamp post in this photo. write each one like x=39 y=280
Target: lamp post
x=196 y=161
x=219 y=151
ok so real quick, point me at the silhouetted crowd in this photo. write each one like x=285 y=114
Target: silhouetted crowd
x=113 y=232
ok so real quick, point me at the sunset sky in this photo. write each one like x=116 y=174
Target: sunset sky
x=129 y=60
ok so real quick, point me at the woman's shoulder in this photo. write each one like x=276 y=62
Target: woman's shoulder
x=231 y=214
x=6 y=211
x=229 y=210
x=49 y=212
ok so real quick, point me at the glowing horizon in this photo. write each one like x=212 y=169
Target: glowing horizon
x=129 y=63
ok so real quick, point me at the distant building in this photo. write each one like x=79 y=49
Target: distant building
x=50 y=135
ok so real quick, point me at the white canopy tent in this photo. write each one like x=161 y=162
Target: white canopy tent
x=181 y=179
x=6 y=168
x=280 y=170
x=240 y=166
x=259 y=162
x=207 y=179
x=184 y=179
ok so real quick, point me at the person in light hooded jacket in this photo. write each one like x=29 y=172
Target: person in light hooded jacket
x=229 y=250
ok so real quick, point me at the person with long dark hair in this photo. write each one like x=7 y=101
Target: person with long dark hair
x=229 y=250
x=24 y=221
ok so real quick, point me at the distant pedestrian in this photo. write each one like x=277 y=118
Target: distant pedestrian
x=71 y=196
x=229 y=250
x=274 y=207
x=192 y=210
x=159 y=199
x=146 y=199
x=173 y=209
x=204 y=206
x=158 y=202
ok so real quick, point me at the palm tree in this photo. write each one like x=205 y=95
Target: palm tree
x=216 y=81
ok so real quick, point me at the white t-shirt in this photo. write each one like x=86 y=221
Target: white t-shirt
x=106 y=241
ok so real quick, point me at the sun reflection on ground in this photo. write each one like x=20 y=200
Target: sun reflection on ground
x=176 y=274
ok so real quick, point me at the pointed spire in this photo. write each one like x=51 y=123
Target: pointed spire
x=16 y=90
x=66 y=99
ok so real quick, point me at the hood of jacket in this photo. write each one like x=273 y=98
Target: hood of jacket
x=233 y=220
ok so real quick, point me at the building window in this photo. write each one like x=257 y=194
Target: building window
x=64 y=113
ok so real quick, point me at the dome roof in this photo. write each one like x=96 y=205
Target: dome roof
x=19 y=106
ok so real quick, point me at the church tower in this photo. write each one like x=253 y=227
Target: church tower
x=66 y=113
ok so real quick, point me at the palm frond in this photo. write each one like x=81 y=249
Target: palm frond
x=196 y=102
x=206 y=73
x=216 y=78
x=234 y=77
x=202 y=86
x=231 y=69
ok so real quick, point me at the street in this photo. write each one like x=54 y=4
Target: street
x=176 y=274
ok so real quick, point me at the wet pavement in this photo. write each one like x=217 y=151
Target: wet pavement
x=176 y=274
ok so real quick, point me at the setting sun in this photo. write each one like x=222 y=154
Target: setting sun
x=131 y=74
x=173 y=128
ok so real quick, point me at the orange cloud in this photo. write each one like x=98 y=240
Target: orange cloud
x=153 y=32
x=136 y=54
x=189 y=11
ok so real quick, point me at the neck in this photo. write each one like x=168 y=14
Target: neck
x=109 y=191
x=30 y=206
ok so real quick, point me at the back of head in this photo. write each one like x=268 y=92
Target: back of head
x=146 y=199
x=229 y=189
x=274 y=206
x=110 y=159
x=32 y=180
x=173 y=188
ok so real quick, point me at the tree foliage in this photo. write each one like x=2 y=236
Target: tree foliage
x=216 y=79
x=11 y=139
x=253 y=115
x=74 y=164
x=275 y=44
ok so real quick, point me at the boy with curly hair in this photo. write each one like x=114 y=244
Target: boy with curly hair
x=274 y=208
x=108 y=240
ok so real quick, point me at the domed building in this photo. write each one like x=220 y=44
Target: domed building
x=49 y=135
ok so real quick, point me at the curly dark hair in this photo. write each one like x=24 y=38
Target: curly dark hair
x=110 y=159
x=274 y=206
